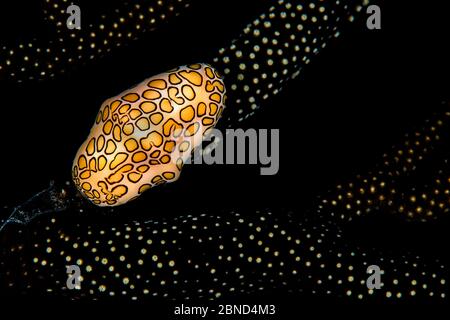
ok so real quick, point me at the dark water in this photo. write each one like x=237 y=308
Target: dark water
x=350 y=105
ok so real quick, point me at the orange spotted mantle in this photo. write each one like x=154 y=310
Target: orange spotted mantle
x=142 y=137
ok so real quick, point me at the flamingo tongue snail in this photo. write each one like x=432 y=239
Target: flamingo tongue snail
x=142 y=137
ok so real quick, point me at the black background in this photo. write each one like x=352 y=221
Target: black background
x=356 y=99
